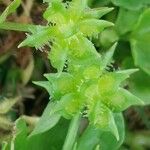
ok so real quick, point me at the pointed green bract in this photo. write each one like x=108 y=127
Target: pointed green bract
x=58 y=56
x=39 y=39
x=73 y=105
x=44 y=84
x=110 y=82
x=121 y=100
x=61 y=84
x=102 y=118
x=97 y=26
x=107 y=58
x=97 y=12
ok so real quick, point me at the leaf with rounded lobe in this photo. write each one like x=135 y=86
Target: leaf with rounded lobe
x=92 y=137
x=10 y=9
x=141 y=55
x=140 y=42
x=138 y=84
x=127 y=20
x=142 y=30
x=129 y=4
x=91 y=27
x=20 y=137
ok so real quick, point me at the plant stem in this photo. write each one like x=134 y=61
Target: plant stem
x=16 y=26
x=72 y=132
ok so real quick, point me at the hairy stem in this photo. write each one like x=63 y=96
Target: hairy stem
x=72 y=132
x=16 y=26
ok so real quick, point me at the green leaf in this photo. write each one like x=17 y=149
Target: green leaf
x=141 y=55
x=20 y=138
x=130 y=4
x=4 y=145
x=140 y=42
x=138 y=85
x=142 y=29
x=92 y=137
x=127 y=20
x=48 y=120
x=52 y=139
x=49 y=138
x=10 y=9
x=138 y=82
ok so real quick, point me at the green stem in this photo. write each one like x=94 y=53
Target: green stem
x=16 y=26
x=72 y=132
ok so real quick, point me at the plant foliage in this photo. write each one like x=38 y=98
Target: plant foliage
x=83 y=86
